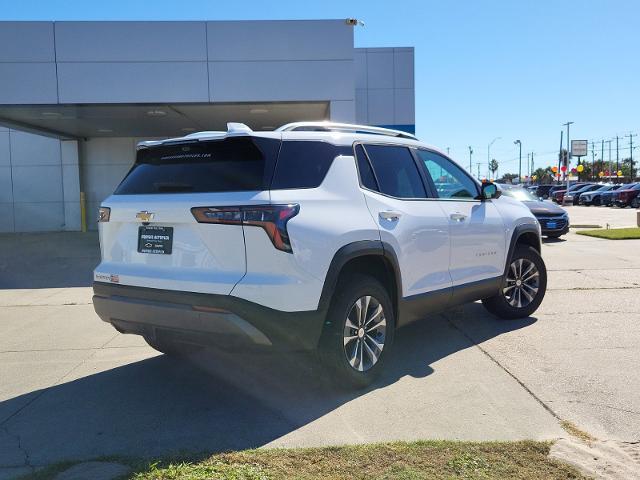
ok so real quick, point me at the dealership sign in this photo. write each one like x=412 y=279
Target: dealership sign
x=579 y=148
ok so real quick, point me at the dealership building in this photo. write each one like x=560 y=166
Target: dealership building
x=76 y=97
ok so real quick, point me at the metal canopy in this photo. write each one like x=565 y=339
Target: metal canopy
x=154 y=120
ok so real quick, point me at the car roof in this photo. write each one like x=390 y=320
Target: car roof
x=343 y=134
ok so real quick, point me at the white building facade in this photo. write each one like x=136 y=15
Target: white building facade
x=75 y=97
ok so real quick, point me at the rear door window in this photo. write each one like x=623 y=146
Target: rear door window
x=396 y=171
x=229 y=165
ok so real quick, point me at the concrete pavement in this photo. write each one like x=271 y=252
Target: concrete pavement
x=73 y=388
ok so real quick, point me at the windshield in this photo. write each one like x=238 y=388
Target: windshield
x=519 y=194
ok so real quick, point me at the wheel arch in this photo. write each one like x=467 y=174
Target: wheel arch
x=372 y=257
x=525 y=234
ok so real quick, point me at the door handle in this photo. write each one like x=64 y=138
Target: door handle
x=390 y=215
x=458 y=217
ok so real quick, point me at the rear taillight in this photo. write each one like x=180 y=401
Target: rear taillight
x=271 y=218
x=103 y=214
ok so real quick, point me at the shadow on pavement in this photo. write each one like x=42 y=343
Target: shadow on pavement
x=553 y=240
x=215 y=402
x=48 y=260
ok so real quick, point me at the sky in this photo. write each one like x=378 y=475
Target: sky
x=484 y=69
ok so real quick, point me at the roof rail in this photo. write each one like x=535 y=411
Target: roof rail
x=342 y=127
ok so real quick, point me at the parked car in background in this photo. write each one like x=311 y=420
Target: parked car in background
x=628 y=196
x=574 y=196
x=611 y=199
x=554 y=220
x=594 y=197
x=542 y=191
x=558 y=195
x=606 y=198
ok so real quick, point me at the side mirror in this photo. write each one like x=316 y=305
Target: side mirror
x=488 y=191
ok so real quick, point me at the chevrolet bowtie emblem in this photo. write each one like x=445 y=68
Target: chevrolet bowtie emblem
x=144 y=216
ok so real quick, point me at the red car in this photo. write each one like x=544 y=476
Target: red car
x=628 y=197
x=558 y=195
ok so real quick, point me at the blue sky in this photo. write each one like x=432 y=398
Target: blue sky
x=484 y=69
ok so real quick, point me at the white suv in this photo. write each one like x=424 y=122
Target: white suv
x=316 y=236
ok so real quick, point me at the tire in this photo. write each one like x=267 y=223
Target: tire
x=505 y=304
x=353 y=362
x=635 y=203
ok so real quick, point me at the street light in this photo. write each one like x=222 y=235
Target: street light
x=470 y=153
x=489 y=150
x=519 y=143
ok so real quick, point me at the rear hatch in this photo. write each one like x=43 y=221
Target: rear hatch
x=148 y=234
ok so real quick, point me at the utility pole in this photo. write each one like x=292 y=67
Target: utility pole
x=617 y=156
x=631 y=135
x=559 y=153
x=532 y=165
x=602 y=155
x=610 y=162
x=447 y=151
x=470 y=153
x=593 y=159
x=519 y=143
x=479 y=163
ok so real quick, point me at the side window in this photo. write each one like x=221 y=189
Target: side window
x=396 y=171
x=367 y=179
x=449 y=179
x=304 y=164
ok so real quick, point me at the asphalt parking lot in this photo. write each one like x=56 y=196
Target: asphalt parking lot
x=73 y=388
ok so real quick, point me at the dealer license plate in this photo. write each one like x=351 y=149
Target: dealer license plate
x=155 y=239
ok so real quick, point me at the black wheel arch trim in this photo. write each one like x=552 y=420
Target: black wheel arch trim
x=518 y=232
x=350 y=252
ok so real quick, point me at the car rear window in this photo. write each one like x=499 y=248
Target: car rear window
x=304 y=164
x=232 y=164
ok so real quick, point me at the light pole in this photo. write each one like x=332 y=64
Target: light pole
x=489 y=150
x=519 y=143
x=470 y=153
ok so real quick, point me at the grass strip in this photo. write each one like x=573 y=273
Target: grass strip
x=632 y=233
x=424 y=460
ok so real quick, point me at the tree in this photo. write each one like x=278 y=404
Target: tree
x=493 y=167
x=508 y=178
x=543 y=175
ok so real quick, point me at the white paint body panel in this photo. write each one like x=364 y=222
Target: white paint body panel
x=205 y=258
x=331 y=216
x=478 y=240
x=420 y=238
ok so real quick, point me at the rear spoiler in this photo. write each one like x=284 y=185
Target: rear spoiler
x=233 y=130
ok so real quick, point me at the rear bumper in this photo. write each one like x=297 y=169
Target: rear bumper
x=205 y=319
